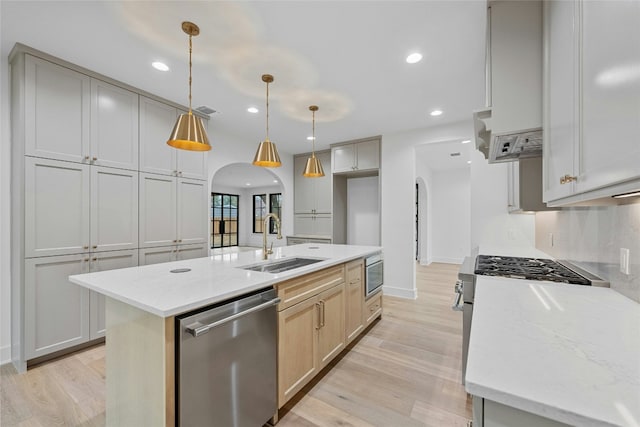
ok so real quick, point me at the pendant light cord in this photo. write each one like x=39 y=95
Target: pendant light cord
x=190 y=49
x=267 y=111
x=313 y=133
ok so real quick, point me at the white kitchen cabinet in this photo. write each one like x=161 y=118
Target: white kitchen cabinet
x=356 y=157
x=172 y=211
x=56 y=310
x=162 y=254
x=56 y=111
x=156 y=122
x=312 y=195
x=102 y=262
x=74 y=208
x=592 y=112
x=56 y=207
x=114 y=126
x=314 y=225
x=488 y=413
x=114 y=209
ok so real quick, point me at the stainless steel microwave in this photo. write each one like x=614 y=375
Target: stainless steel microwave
x=374 y=273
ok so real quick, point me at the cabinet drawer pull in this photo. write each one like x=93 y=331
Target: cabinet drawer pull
x=87 y=158
x=322 y=324
x=94 y=259
x=95 y=246
x=567 y=179
x=318 y=324
x=95 y=159
x=85 y=247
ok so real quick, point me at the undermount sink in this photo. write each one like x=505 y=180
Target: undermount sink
x=280 y=265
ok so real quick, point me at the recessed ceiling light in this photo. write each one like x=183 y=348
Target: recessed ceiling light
x=160 y=66
x=248 y=184
x=436 y=112
x=252 y=110
x=413 y=58
x=468 y=162
x=466 y=141
x=310 y=138
x=275 y=181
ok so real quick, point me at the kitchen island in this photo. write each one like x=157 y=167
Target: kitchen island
x=550 y=354
x=142 y=303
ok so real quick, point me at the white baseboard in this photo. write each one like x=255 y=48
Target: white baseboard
x=447 y=260
x=5 y=354
x=400 y=292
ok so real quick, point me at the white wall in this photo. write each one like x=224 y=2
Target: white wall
x=363 y=211
x=491 y=224
x=398 y=178
x=228 y=149
x=450 y=212
x=424 y=179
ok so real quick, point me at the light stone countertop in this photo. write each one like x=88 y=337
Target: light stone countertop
x=213 y=279
x=566 y=352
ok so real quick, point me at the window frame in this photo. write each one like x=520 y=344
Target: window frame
x=263 y=198
x=272 y=228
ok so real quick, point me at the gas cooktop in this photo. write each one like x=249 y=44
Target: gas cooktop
x=528 y=268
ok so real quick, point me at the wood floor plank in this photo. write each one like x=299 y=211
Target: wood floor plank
x=404 y=372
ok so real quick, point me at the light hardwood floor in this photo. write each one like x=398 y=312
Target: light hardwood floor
x=405 y=371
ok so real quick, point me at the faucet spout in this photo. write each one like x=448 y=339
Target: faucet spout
x=265 y=251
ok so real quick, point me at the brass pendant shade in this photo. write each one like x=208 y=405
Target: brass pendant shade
x=189 y=133
x=313 y=168
x=267 y=155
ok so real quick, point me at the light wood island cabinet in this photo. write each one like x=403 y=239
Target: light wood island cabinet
x=355 y=299
x=319 y=314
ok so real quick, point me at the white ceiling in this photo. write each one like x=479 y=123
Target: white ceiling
x=348 y=57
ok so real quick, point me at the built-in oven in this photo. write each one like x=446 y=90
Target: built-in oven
x=373 y=274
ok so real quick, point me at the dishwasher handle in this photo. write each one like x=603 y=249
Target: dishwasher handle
x=202 y=329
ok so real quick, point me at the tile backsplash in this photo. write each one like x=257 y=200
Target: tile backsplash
x=591 y=237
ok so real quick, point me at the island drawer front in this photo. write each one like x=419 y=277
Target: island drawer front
x=301 y=288
x=374 y=308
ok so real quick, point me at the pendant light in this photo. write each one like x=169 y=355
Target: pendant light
x=267 y=154
x=313 y=169
x=189 y=133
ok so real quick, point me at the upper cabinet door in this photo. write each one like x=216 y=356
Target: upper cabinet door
x=157 y=210
x=114 y=126
x=560 y=113
x=368 y=155
x=114 y=209
x=56 y=111
x=323 y=188
x=192 y=211
x=609 y=150
x=156 y=122
x=56 y=207
x=343 y=158
x=192 y=164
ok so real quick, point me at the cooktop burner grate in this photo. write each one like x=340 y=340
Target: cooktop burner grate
x=527 y=268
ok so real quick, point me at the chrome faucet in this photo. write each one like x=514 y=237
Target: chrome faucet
x=265 y=251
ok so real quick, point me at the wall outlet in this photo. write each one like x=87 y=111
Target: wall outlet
x=550 y=240
x=624 y=261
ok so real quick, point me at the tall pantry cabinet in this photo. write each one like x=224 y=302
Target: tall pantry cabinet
x=75 y=188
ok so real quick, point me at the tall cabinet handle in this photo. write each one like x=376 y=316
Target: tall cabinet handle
x=319 y=317
x=322 y=323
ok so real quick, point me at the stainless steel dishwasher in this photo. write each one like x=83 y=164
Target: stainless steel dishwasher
x=226 y=367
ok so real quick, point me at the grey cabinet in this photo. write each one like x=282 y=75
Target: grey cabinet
x=114 y=126
x=162 y=254
x=75 y=208
x=357 y=156
x=102 y=262
x=172 y=211
x=590 y=109
x=56 y=108
x=56 y=310
x=76 y=198
x=156 y=122
x=72 y=117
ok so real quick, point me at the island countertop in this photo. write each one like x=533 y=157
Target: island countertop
x=565 y=352
x=153 y=288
